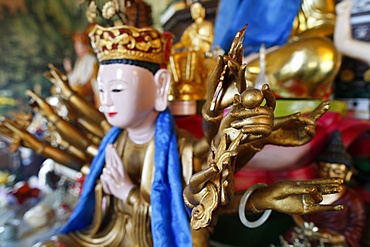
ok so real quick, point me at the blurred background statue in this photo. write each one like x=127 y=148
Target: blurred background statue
x=191 y=62
x=82 y=76
x=199 y=35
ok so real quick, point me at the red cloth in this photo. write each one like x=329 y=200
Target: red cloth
x=245 y=179
x=349 y=222
x=192 y=124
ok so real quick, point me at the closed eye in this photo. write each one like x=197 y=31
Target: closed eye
x=117 y=90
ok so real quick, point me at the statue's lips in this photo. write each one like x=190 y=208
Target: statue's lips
x=112 y=114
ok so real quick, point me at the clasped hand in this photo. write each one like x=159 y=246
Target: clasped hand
x=249 y=116
x=114 y=179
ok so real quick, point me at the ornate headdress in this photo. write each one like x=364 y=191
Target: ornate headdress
x=125 y=41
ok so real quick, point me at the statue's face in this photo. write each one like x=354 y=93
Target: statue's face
x=81 y=48
x=329 y=170
x=127 y=94
x=197 y=10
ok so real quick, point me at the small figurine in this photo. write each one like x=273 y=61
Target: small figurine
x=199 y=35
x=191 y=62
x=345 y=227
x=82 y=75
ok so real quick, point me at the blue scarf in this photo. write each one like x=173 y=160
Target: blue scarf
x=169 y=221
x=269 y=22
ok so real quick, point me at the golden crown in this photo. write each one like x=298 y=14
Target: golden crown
x=127 y=42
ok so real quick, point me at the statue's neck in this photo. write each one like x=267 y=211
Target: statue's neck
x=145 y=131
x=199 y=20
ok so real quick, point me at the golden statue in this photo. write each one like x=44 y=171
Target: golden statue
x=76 y=127
x=191 y=62
x=316 y=18
x=199 y=35
x=126 y=193
x=69 y=132
x=19 y=136
x=147 y=173
x=307 y=64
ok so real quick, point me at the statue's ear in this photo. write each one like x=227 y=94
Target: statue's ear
x=162 y=81
x=348 y=176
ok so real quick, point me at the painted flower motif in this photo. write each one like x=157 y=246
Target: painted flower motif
x=110 y=9
x=91 y=12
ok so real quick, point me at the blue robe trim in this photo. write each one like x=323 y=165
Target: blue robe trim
x=169 y=221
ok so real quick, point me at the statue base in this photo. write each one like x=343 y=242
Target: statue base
x=183 y=108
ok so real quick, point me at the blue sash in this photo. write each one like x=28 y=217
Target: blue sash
x=169 y=221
